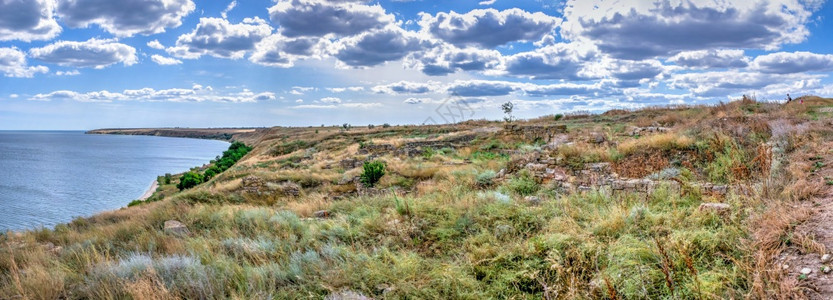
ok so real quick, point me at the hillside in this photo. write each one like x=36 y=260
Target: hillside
x=701 y=202
x=225 y=134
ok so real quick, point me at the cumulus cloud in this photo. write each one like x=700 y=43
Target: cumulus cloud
x=406 y=87
x=155 y=44
x=488 y=27
x=346 y=89
x=219 y=38
x=93 y=53
x=280 y=51
x=125 y=17
x=569 y=89
x=13 y=64
x=376 y=47
x=321 y=17
x=446 y=59
x=793 y=62
x=712 y=58
x=27 y=20
x=635 y=29
x=635 y=70
x=558 y=61
x=165 y=61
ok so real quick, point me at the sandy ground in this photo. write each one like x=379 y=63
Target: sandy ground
x=150 y=191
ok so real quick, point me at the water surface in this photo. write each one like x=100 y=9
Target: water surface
x=50 y=177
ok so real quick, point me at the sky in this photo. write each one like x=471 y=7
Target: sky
x=86 y=64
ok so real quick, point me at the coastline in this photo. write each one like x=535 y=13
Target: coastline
x=150 y=191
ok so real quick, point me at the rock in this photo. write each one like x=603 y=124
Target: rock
x=347 y=295
x=715 y=207
x=252 y=184
x=557 y=174
x=806 y=271
x=536 y=167
x=322 y=214
x=534 y=200
x=597 y=138
x=826 y=269
x=826 y=258
x=785 y=267
x=176 y=228
x=290 y=188
x=501 y=173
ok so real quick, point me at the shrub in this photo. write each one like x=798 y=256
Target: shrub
x=558 y=117
x=189 y=180
x=373 y=171
x=523 y=184
x=486 y=178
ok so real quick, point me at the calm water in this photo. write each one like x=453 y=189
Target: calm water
x=50 y=177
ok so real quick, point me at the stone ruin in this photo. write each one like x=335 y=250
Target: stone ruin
x=534 y=132
x=257 y=186
x=599 y=176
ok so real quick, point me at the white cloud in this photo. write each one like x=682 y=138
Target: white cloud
x=195 y=94
x=13 y=64
x=68 y=73
x=446 y=59
x=712 y=58
x=125 y=18
x=793 y=62
x=321 y=17
x=725 y=83
x=488 y=27
x=487 y=2
x=330 y=100
x=93 y=53
x=219 y=38
x=165 y=61
x=155 y=44
x=28 y=20
x=558 y=61
x=636 y=29
x=346 y=89
x=376 y=47
x=230 y=6
x=406 y=87
x=280 y=51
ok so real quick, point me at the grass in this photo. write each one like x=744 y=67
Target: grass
x=447 y=227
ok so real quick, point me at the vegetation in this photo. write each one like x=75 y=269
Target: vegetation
x=290 y=224
x=234 y=153
x=373 y=171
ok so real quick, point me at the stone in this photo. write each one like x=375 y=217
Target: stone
x=322 y=214
x=176 y=228
x=715 y=207
x=501 y=173
x=826 y=269
x=826 y=258
x=347 y=295
x=806 y=271
x=534 y=200
x=597 y=138
x=290 y=189
x=252 y=184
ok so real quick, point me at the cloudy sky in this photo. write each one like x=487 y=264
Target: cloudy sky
x=83 y=64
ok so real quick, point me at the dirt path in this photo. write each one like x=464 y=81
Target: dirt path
x=818 y=228
x=150 y=191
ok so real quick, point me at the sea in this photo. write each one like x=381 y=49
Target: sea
x=52 y=177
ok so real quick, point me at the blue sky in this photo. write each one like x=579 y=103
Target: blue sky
x=84 y=64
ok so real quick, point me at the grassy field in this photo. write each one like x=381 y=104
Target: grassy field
x=471 y=214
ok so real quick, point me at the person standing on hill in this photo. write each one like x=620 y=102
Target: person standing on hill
x=789 y=99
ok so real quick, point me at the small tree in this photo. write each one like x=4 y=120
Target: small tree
x=373 y=171
x=507 y=109
x=189 y=180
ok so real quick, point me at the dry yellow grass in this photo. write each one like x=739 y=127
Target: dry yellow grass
x=663 y=141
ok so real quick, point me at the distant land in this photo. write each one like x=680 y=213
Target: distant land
x=225 y=134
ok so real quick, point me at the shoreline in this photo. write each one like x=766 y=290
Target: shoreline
x=150 y=191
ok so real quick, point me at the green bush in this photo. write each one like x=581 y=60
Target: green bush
x=373 y=171
x=486 y=178
x=523 y=184
x=189 y=180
